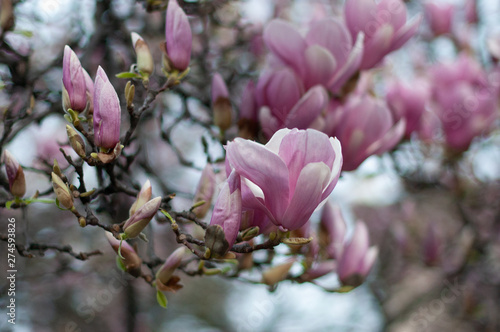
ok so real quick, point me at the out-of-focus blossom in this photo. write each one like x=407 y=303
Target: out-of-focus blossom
x=326 y=56
x=465 y=101
x=205 y=191
x=431 y=246
x=439 y=16
x=221 y=105
x=332 y=230
x=384 y=24
x=141 y=218
x=277 y=273
x=248 y=116
x=145 y=62
x=15 y=175
x=76 y=82
x=366 y=127
x=429 y=126
x=142 y=198
x=130 y=260
x=493 y=45
x=227 y=209
x=408 y=103
x=178 y=37
x=283 y=104
x=471 y=11
x=289 y=176
x=357 y=258
x=107 y=112
x=6 y=15
x=168 y=268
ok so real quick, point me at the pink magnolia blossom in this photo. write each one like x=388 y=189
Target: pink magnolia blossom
x=384 y=25
x=357 y=258
x=15 y=174
x=326 y=55
x=282 y=102
x=290 y=176
x=76 y=82
x=408 y=102
x=333 y=225
x=465 y=101
x=107 y=112
x=366 y=127
x=439 y=16
x=178 y=37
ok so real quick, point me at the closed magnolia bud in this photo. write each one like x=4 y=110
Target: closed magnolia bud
x=63 y=194
x=141 y=218
x=277 y=273
x=205 y=191
x=178 y=38
x=107 y=112
x=171 y=264
x=142 y=198
x=145 y=62
x=15 y=174
x=75 y=83
x=221 y=105
x=76 y=141
x=131 y=259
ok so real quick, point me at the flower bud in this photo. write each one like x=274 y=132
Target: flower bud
x=145 y=62
x=205 y=191
x=227 y=211
x=15 y=174
x=76 y=141
x=74 y=88
x=6 y=15
x=107 y=112
x=178 y=38
x=221 y=105
x=277 y=273
x=171 y=264
x=130 y=260
x=141 y=218
x=142 y=198
x=333 y=229
x=63 y=194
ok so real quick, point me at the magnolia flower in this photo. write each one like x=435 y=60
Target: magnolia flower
x=145 y=62
x=77 y=84
x=107 y=112
x=327 y=55
x=282 y=102
x=178 y=37
x=384 y=25
x=465 y=101
x=408 y=102
x=357 y=258
x=227 y=212
x=439 y=16
x=366 y=127
x=290 y=176
x=15 y=175
x=221 y=105
x=142 y=198
x=168 y=268
x=333 y=230
x=130 y=260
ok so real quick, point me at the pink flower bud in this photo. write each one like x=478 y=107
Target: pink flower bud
x=178 y=37
x=171 y=264
x=384 y=25
x=142 y=198
x=107 y=112
x=439 y=16
x=227 y=209
x=131 y=260
x=221 y=105
x=334 y=228
x=290 y=175
x=141 y=218
x=15 y=174
x=74 y=83
x=205 y=191
x=357 y=259
x=145 y=62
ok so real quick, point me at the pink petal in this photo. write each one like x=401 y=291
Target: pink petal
x=333 y=35
x=308 y=108
x=320 y=66
x=350 y=66
x=404 y=34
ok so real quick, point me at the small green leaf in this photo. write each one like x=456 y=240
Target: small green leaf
x=59 y=206
x=162 y=299
x=120 y=264
x=25 y=33
x=9 y=204
x=127 y=74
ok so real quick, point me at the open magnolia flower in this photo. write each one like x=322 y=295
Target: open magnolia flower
x=290 y=176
